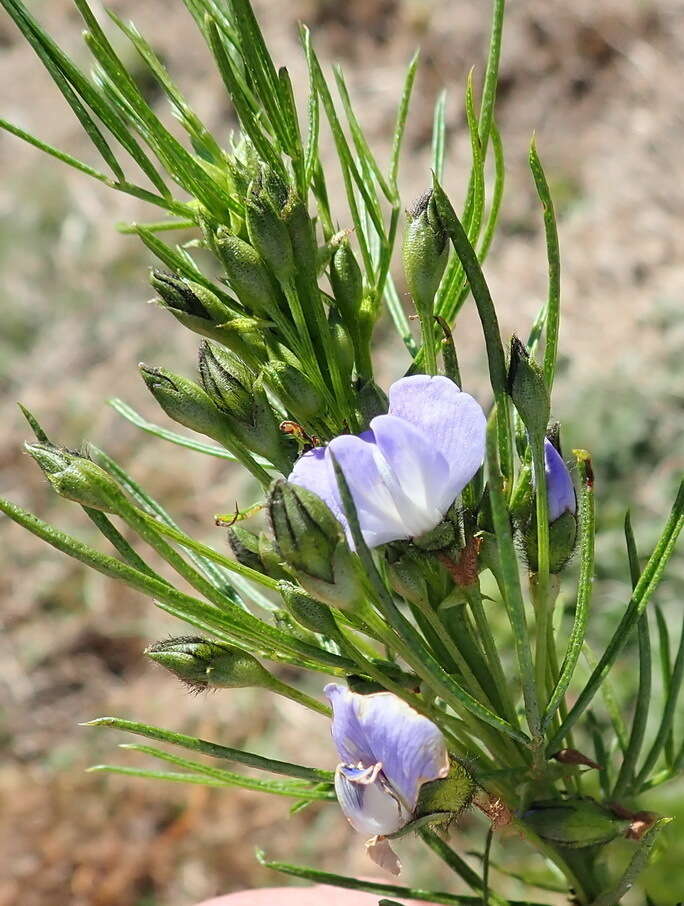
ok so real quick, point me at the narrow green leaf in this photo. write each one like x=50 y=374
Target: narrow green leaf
x=665 y=727
x=314 y=775
x=511 y=589
x=643 y=696
x=439 y=135
x=389 y=890
x=648 y=582
x=173 y=776
x=553 y=257
x=638 y=862
x=53 y=152
x=402 y=115
x=298 y=790
x=157 y=431
x=587 y=531
x=442 y=849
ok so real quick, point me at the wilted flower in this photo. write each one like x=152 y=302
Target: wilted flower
x=408 y=468
x=388 y=751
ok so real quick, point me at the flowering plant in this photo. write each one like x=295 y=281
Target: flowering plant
x=401 y=528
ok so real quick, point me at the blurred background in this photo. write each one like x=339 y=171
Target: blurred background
x=601 y=85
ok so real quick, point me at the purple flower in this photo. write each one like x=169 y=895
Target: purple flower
x=559 y=487
x=387 y=751
x=406 y=471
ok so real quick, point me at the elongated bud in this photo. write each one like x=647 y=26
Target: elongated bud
x=309 y=613
x=184 y=401
x=205 y=664
x=245 y=547
x=254 y=551
x=347 y=284
x=76 y=477
x=425 y=252
x=408 y=580
x=575 y=823
x=447 y=798
x=226 y=381
x=294 y=390
x=562 y=514
x=527 y=389
x=311 y=541
x=246 y=273
x=200 y=310
x=302 y=234
x=342 y=343
x=268 y=234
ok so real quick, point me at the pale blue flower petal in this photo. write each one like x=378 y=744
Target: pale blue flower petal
x=313 y=471
x=451 y=420
x=382 y=728
x=559 y=487
x=415 y=473
x=378 y=514
x=370 y=808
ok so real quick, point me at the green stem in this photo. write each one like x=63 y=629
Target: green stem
x=295 y=695
x=539 y=582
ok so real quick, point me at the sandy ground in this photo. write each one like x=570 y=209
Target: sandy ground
x=601 y=85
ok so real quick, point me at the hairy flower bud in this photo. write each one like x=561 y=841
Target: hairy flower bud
x=425 y=252
x=342 y=343
x=246 y=273
x=347 y=284
x=308 y=612
x=184 y=401
x=201 y=311
x=446 y=799
x=312 y=542
x=527 y=389
x=294 y=390
x=562 y=500
x=243 y=401
x=226 y=381
x=408 y=580
x=76 y=477
x=574 y=823
x=205 y=664
x=255 y=551
x=268 y=234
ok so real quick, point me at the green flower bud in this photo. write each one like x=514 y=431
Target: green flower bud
x=268 y=234
x=270 y=558
x=371 y=400
x=408 y=580
x=312 y=542
x=184 y=401
x=201 y=311
x=562 y=541
x=246 y=273
x=425 y=252
x=243 y=401
x=309 y=613
x=76 y=477
x=527 y=389
x=226 y=381
x=438 y=538
x=204 y=664
x=245 y=547
x=341 y=343
x=574 y=823
x=447 y=798
x=302 y=235
x=294 y=390
x=347 y=284
x=254 y=551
